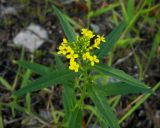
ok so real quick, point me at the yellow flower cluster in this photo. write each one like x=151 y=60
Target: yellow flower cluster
x=87 y=33
x=93 y=59
x=66 y=50
x=81 y=49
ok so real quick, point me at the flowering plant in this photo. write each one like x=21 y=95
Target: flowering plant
x=84 y=78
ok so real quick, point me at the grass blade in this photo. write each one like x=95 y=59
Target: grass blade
x=141 y=101
x=130 y=9
x=102 y=10
x=5 y=83
x=1 y=118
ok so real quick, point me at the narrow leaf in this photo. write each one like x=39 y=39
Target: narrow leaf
x=103 y=107
x=111 y=39
x=69 y=99
x=75 y=118
x=37 y=68
x=69 y=31
x=120 y=88
x=5 y=83
x=102 y=10
x=59 y=63
x=130 y=9
x=119 y=74
x=46 y=81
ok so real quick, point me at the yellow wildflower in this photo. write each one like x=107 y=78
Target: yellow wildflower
x=98 y=41
x=74 y=66
x=86 y=56
x=70 y=56
x=65 y=41
x=62 y=50
x=87 y=33
x=69 y=50
x=102 y=39
x=94 y=59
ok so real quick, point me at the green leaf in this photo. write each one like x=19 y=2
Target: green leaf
x=155 y=44
x=69 y=99
x=141 y=100
x=119 y=74
x=102 y=10
x=120 y=88
x=69 y=31
x=53 y=78
x=103 y=107
x=59 y=63
x=111 y=39
x=5 y=83
x=37 y=68
x=130 y=9
x=75 y=118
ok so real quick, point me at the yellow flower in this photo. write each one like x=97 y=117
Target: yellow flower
x=74 y=66
x=97 y=42
x=87 y=33
x=94 y=59
x=86 y=56
x=69 y=50
x=64 y=41
x=102 y=39
x=70 y=56
x=62 y=50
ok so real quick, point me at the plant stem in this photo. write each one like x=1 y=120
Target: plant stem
x=83 y=92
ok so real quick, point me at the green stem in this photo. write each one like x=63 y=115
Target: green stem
x=83 y=92
x=1 y=118
x=82 y=95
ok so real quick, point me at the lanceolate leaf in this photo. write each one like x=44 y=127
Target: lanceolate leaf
x=46 y=81
x=75 y=118
x=120 y=88
x=59 y=63
x=69 y=99
x=103 y=107
x=104 y=69
x=69 y=31
x=111 y=39
x=37 y=68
